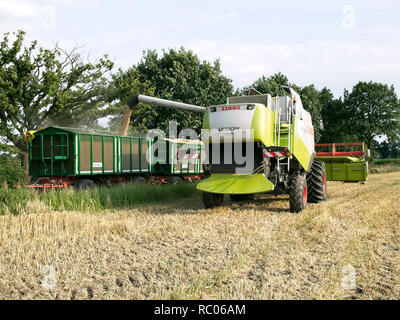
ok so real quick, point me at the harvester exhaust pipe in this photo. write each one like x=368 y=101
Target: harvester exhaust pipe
x=151 y=100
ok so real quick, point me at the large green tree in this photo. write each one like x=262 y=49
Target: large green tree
x=334 y=119
x=11 y=173
x=40 y=87
x=373 y=110
x=180 y=75
x=272 y=84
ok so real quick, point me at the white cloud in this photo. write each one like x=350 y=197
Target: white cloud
x=27 y=16
x=17 y=8
x=332 y=64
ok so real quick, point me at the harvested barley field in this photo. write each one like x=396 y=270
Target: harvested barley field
x=249 y=250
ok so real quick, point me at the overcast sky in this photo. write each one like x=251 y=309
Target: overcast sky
x=328 y=43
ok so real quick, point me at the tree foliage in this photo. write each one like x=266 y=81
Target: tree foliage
x=40 y=87
x=272 y=85
x=179 y=75
x=372 y=110
x=11 y=172
x=334 y=119
x=388 y=149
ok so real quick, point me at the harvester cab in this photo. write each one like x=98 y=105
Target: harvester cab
x=277 y=136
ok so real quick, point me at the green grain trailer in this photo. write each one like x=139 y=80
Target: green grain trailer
x=348 y=166
x=61 y=156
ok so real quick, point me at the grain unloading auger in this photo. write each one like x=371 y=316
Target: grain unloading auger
x=281 y=144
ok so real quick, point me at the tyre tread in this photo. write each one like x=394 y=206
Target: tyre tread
x=315 y=182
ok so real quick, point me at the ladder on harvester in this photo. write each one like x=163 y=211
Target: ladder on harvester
x=283 y=126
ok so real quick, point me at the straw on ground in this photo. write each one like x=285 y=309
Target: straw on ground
x=178 y=250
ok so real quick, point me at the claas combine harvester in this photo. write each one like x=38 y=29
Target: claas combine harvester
x=282 y=150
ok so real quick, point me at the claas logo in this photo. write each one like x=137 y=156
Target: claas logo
x=227 y=108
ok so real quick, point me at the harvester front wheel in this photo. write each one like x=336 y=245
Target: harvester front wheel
x=316 y=182
x=298 y=192
x=212 y=200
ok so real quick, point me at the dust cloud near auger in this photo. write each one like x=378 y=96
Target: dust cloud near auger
x=125 y=122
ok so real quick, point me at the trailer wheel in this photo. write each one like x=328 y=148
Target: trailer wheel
x=241 y=197
x=212 y=200
x=108 y=184
x=139 y=180
x=84 y=184
x=316 y=182
x=174 y=180
x=298 y=192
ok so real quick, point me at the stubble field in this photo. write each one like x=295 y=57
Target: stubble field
x=345 y=248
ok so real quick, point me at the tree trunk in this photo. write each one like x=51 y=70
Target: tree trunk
x=25 y=164
x=370 y=146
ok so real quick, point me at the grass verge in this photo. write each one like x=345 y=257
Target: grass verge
x=18 y=201
x=381 y=166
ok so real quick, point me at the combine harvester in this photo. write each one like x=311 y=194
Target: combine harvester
x=283 y=147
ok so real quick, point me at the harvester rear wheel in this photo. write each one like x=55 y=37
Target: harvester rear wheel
x=298 y=192
x=241 y=197
x=212 y=200
x=316 y=182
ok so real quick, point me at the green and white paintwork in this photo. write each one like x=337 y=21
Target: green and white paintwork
x=236 y=184
x=350 y=169
x=66 y=162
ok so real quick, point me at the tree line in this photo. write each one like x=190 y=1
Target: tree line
x=41 y=87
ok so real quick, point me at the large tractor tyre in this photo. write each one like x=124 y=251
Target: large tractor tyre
x=241 y=197
x=84 y=184
x=298 y=192
x=316 y=182
x=212 y=200
x=174 y=180
x=139 y=180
